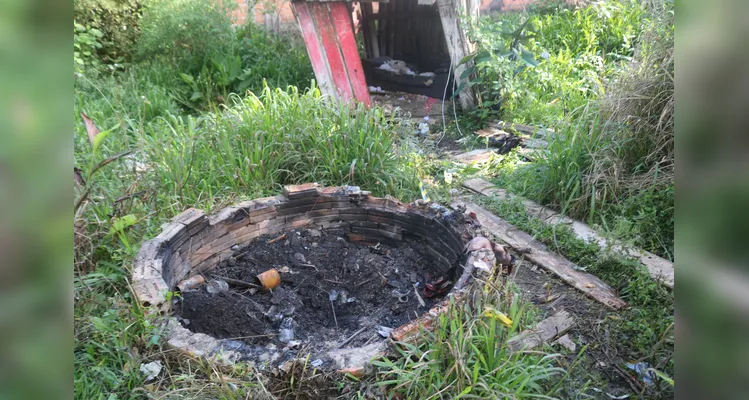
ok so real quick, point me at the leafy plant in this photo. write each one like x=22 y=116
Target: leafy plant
x=86 y=42
x=117 y=20
x=503 y=54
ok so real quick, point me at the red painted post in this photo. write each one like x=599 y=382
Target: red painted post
x=342 y=22
x=329 y=38
x=329 y=41
x=314 y=48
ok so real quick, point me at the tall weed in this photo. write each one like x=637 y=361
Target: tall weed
x=610 y=161
x=574 y=50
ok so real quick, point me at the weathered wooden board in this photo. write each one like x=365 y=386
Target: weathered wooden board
x=479 y=156
x=659 y=268
x=531 y=131
x=329 y=40
x=539 y=254
x=545 y=331
x=341 y=18
x=314 y=48
x=457 y=43
x=329 y=37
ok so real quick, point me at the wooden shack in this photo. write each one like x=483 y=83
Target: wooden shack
x=409 y=45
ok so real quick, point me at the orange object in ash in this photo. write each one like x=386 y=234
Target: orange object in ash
x=269 y=279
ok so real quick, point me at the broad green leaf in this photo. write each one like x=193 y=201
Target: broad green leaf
x=123 y=222
x=101 y=136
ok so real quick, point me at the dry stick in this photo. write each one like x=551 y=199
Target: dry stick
x=347 y=341
x=306 y=265
x=237 y=282
x=421 y=301
x=277 y=239
x=364 y=283
x=332 y=307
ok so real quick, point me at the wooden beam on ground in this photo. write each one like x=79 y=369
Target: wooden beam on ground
x=531 y=131
x=545 y=331
x=659 y=268
x=539 y=254
x=498 y=137
x=479 y=156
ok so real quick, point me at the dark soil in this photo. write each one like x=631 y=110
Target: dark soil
x=550 y=295
x=312 y=264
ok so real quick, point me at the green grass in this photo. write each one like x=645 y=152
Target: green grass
x=577 y=50
x=643 y=332
x=467 y=355
x=249 y=149
x=198 y=138
x=606 y=89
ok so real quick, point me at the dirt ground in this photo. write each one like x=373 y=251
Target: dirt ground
x=550 y=295
x=371 y=286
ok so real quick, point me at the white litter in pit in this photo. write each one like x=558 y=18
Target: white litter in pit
x=397 y=67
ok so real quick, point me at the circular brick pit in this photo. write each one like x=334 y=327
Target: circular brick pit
x=195 y=244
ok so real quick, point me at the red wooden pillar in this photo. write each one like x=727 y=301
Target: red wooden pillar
x=329 y=37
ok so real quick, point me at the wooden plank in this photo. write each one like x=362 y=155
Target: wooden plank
x=532 y=131
x=479 y=156
x=545 y=331
x=369 y=30
x=329 y=40
x=458 y=45
x=314 y=48
x=342 y=22
x=498 y=137
x=659 y=268
x=539 y=254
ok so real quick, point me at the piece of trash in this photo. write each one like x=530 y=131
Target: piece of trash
x=426 y=118
x=191 y=283
x=293 y=344
x=316 y=363
x=384 y=331
x=315 y=233
x=217 y=286
x=402 y=297
x=439 y=287
x=269 y=279
x=477 y=243
x=567 y=343
x=284 y=270
x=235 y=247
x=423 y=128
x=351 y=300
x=611 y=396
x=332 y=296
x=481 y=265
x=397 y=67
x=642 y=369
x=421 y=301
x=151 y=370
x=491 y=312
x=375 y=89
x=428 y=74
x=286 y=333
